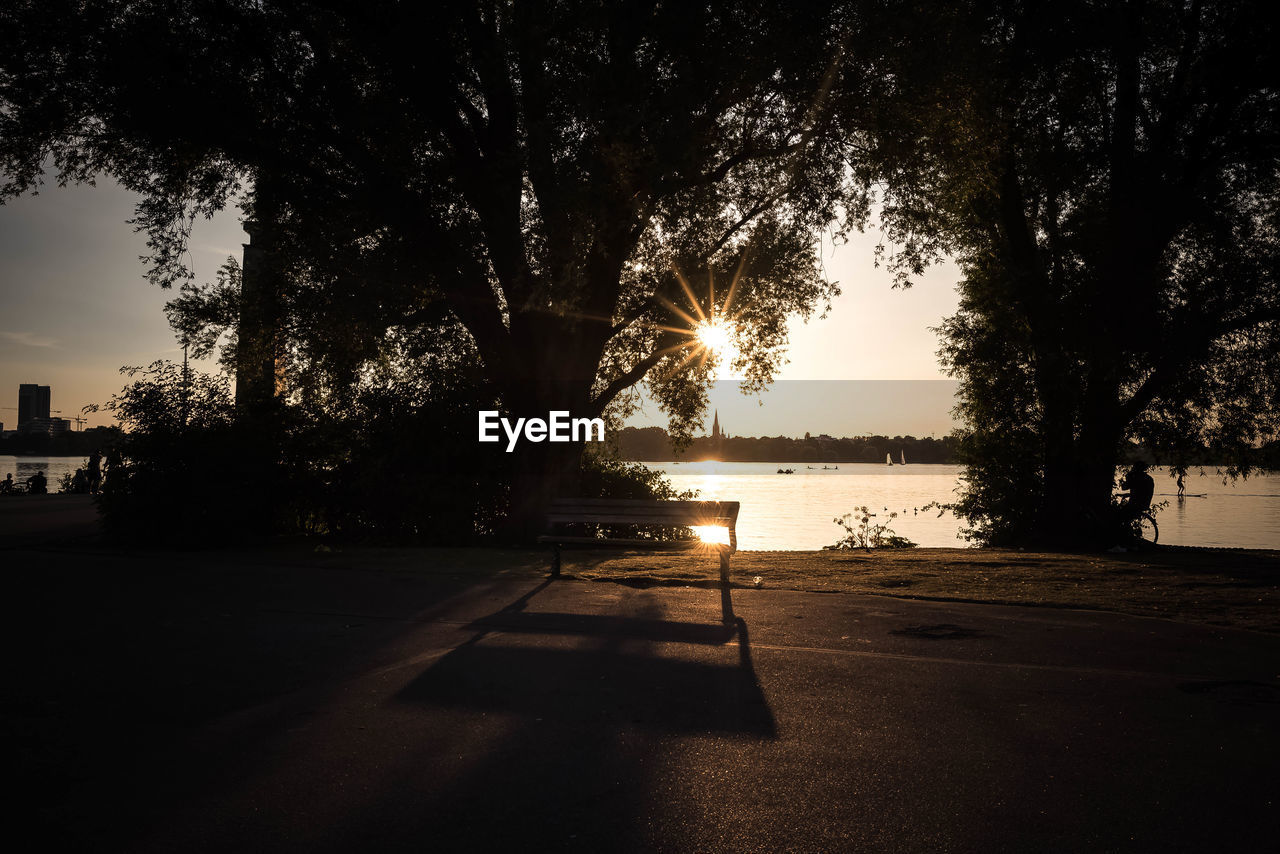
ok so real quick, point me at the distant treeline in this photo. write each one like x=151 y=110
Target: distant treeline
x=69 y=444
x=1265 y=457
x=651 y=444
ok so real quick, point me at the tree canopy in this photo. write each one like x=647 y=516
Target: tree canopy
x=565 y=193
x=1105 y=173
x=543 y=171
x=576 y=185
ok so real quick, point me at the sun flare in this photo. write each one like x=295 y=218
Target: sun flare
x=712 y=535
x=715 y=335
x=705 y=330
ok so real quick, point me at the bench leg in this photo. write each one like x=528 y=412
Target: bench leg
x=555 y=560
x=726 y=604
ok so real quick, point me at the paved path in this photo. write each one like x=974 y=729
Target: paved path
x=32 y=519
x=245 y=702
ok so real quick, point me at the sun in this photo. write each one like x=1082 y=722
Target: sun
x=715 y=335
x=705 y=330
x=712 y=535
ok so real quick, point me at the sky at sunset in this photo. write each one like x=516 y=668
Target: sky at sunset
x=74 y=308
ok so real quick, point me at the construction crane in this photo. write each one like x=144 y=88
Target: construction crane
x=78 y=420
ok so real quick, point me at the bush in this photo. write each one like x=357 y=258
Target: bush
x=860 y=533
x=179 y=475
x=603 y=477
x=411 y=471
x=606 y=477
x=398 y=462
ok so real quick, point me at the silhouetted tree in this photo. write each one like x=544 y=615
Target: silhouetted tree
x=1105 y=173
x=576 y=183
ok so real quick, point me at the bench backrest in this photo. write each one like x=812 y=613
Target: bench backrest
x=646 y=511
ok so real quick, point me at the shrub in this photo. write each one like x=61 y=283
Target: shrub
x=179 y=476
x=861 y=533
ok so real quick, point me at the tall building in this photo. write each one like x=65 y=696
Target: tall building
x=33 y=404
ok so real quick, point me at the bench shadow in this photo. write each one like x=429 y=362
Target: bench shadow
x=616 y=678
x=559 y=721
x=617 y=628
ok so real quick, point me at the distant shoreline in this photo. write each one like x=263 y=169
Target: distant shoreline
x=653 y=444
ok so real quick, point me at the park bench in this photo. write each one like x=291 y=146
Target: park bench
x=642 y=511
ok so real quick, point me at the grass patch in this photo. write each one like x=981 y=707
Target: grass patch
x=1220 y=587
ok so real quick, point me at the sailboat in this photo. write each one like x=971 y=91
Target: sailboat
x=903 y=456
x=888 y=459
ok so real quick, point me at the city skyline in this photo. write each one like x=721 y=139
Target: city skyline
x=34 y=412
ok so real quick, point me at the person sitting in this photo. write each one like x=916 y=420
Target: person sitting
x=1141 y=490
x=6 y=485
x=37 y=484
x=79 y=482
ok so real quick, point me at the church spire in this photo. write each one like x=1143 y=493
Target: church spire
x=715 y=426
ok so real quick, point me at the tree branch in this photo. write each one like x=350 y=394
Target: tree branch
x=631 y=377
x=1175 y=363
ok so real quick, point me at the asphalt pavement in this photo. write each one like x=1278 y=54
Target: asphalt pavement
x=27 y=520
x=253 y=701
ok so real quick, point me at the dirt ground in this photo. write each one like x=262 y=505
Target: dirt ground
x=1222 y=587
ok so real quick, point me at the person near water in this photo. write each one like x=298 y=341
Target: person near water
x=6 y=485
x=1141 y=490
x=1182 y=486
x=37 y=484
x=114 y=474
x=95 y=470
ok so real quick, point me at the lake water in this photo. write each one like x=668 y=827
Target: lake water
x=794 y=512
x=53 y=467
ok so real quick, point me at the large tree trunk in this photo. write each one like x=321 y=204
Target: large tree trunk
x=1075 y=511
x=1101 y=434
x=1059 y=503
x=557 y=377
x=260 y=376
x=1079 y=471
x=541 y=473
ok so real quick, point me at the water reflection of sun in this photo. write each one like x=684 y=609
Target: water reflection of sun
x=709 y=486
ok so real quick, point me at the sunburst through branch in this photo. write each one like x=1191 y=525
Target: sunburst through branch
x=710 y=330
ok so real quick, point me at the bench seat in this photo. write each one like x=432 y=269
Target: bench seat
x=642 y=511
x=627 y=543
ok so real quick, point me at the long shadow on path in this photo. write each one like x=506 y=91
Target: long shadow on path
x=617 y=678
x=563 y=714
